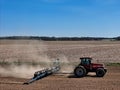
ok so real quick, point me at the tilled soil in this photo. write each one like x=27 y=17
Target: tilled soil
x=70 y=51
x=35 y=50
x=111 y=81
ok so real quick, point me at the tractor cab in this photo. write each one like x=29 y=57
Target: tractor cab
x=86 y=66
x=85 y=61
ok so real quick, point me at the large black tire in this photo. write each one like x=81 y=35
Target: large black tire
x=100 y=72
x=80 y=71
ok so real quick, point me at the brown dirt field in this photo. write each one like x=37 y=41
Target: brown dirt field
x=26 y=50
x=70 y=51
x=111 y=81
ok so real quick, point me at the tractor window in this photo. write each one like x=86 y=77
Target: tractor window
x=88 y=61
x=85 y=61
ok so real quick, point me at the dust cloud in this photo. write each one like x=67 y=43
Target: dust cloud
x=22 y=57
x=66 y=66
x=22 y=71
x=31 y=55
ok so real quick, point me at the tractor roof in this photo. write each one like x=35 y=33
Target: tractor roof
x=86 y=58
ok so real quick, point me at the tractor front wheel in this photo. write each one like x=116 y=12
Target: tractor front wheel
x=100 y=72
x=80 y=71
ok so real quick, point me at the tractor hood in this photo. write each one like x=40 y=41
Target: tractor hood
x=97 y=65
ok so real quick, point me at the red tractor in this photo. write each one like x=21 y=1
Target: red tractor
x=86 y=66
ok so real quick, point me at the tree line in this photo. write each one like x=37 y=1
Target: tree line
x=45 y=38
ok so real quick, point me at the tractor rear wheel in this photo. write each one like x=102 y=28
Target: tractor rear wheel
x=100 y=72
x=80 y=71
